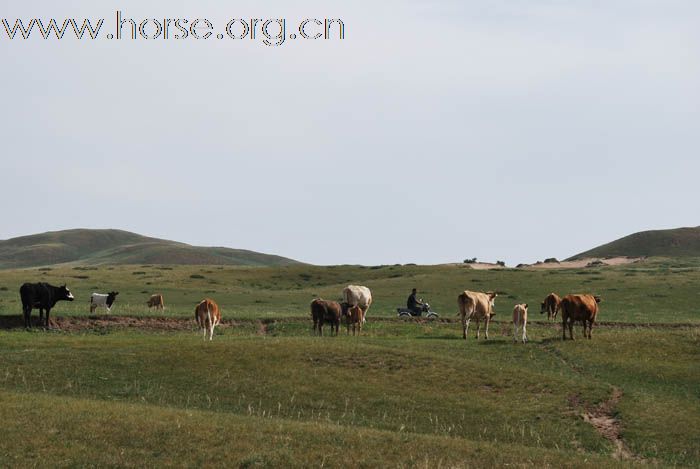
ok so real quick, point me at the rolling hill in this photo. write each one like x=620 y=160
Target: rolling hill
x=99 y=247
x=678 y=242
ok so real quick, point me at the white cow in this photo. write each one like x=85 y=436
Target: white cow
x=100 y=299
x=520 y=321
x=355 y=295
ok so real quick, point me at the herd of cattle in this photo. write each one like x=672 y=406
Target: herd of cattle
x=477 y=306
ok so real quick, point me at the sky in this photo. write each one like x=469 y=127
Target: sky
x=433 y=132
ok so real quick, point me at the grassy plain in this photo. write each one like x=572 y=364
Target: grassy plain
x=659 y=290
x=405 y=394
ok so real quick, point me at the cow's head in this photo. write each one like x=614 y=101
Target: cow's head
x=492 y=298
x=65 y=294
x=111 y=296
x=543 y=308
x=344 y=307
x=598 y=299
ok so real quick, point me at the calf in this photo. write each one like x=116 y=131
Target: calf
x=357 y=295
x=100 y=299
x=582 y=308
x=156 y=301
x=354 y=315
x=322 y=312
x=477 y=306
x=551 y=306
x=42 y=296
x=520 y=322
x=208 y=316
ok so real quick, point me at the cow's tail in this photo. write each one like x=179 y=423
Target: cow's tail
x=465 y=303
x=211 y=324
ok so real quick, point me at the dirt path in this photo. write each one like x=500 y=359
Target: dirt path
x=602 y=418
x=155 y=323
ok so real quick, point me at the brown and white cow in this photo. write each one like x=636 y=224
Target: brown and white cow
x=356 y=295
x=323 y=311
x=156 y=301
x=551 y=306
x=477 y=306
x=582 y=308
x=208 y=316
x=354 y=315
x=520 y=322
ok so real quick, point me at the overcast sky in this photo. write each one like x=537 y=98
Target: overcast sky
x=437 y=130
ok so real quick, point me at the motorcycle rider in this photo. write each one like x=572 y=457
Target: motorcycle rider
x=413 y=303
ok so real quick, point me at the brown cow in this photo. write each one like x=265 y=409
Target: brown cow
x=208 y=316
x=582 y=308
x=551 y=306
x=156 y=301
x=478 y=306
x=323 y=311
x=354 y=315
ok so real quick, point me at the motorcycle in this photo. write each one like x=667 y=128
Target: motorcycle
x=425 y=309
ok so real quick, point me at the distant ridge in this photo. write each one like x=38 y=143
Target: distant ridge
x=678 y=242
x=98 y=247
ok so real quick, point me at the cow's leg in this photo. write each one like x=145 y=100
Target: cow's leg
x=563 y=328
x=465 y=326
x=524 y=332
x=27 y=314
x=48 y=310
x=571 y=328
x=515 y=331
x=478 y=329
x=488 y=320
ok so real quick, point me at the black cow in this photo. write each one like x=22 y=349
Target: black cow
x=42 y=296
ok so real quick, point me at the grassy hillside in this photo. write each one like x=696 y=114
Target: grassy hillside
x=96 y=247
x=679 y=242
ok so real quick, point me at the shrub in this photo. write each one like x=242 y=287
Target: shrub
x=470 y=261
x=197 y=276
x=501 y=263
x=551 y=260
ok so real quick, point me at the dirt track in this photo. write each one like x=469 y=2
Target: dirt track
x=101 y=322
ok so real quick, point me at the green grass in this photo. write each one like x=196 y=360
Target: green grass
x=404 y=394
x=660 y=290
